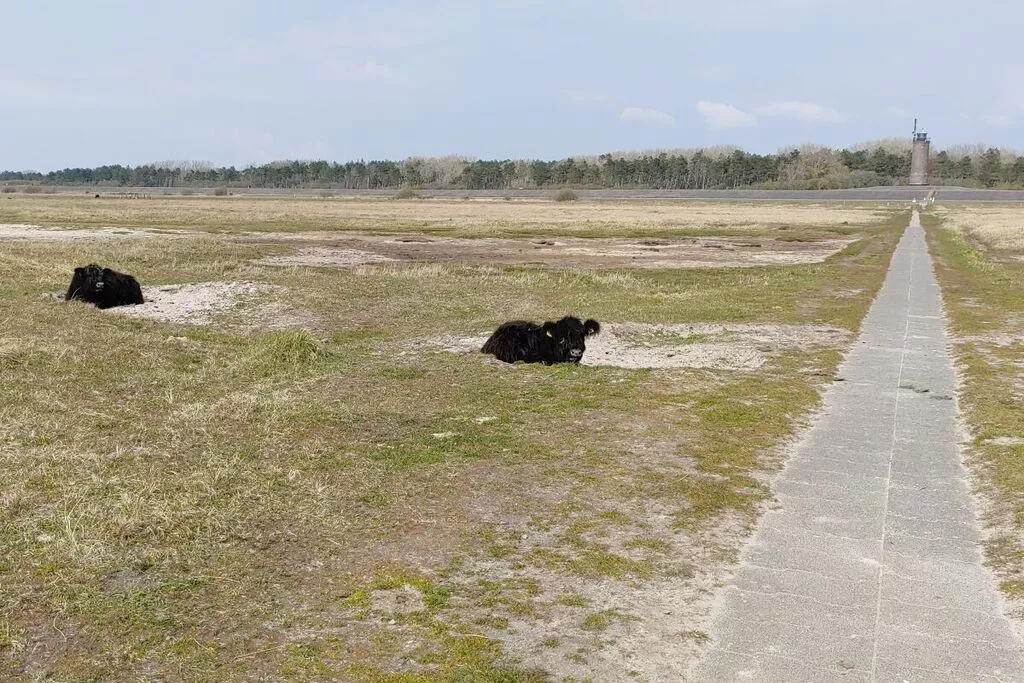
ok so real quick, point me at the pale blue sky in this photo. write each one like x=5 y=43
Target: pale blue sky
x=236 y=82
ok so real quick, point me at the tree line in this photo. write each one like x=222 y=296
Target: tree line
x=804 y=168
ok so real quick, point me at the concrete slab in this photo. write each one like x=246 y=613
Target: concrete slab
x=815 y=586
x=869 y=569
x=723 y=665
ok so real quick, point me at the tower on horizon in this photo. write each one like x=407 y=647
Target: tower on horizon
x=919 y=157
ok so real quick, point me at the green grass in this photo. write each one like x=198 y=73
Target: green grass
x=573 y=600
x=602 y=621
x=261 y=488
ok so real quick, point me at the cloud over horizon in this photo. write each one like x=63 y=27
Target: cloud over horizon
x=641 y=115
x=721 y=116
x=808 y=112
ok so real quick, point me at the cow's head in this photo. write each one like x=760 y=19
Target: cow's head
x=92 y=277
x=568 y=338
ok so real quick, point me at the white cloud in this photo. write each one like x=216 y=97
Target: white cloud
x=359 y=45
x=721 y=116
x=997 y=120
x=801 y=111
x=641 y=115
x=584 y=97
x=898 y=113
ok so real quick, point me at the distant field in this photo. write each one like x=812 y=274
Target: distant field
x=308 y=473
x=882 y=194
x=491 y=218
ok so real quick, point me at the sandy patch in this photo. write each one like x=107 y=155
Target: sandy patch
x=11 y=232
x=573 y=624
x=404 y=599
x=323 y=257
x=348 y=249
x=711 y=346
x=992 y=339
x=195 y=304
x=1005 y=441
x=653 y=627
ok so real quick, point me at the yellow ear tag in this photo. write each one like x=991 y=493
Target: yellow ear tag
x=548 y=333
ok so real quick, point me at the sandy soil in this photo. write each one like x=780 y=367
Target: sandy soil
x=195 y=304
x=565 y=252
x=324 y=256
x=1005 y=441
x=711 y=346
x=653 y=628
x=10 y=232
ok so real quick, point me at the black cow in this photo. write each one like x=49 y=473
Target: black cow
x=559 y=342
x=104 y=287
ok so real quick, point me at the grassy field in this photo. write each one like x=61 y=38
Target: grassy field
x=980 y=263
x=332 y=501
x=458 y=218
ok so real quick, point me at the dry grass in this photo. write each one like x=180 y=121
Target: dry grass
x=998 y=228
x=446 y=217
x=980 y=264
x=224 y=503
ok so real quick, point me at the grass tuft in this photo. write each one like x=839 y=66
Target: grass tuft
x=285 y=353
x=408 y=192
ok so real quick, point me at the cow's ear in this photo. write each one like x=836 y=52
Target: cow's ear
x=549 y=329
x=591 y=327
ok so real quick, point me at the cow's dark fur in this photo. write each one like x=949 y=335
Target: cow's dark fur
x=552 y=342
x=104 y=287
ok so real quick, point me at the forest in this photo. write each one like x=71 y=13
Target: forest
x=718 y=168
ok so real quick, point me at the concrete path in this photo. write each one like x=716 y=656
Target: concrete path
x=870 y=568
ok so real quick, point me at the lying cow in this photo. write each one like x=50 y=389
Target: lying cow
x=553 y=342
x=104 y=287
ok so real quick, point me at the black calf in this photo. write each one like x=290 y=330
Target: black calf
x=104 y=287
x=553 y=342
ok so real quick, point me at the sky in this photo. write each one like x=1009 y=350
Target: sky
x=239 y=83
